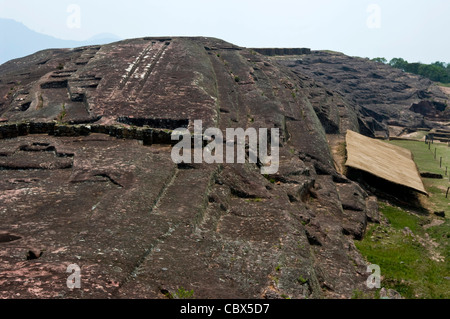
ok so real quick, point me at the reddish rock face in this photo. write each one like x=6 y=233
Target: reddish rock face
x=137 y=81
x=86 y=177
x=379 y=94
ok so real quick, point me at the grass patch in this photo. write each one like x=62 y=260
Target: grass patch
x=398 y=219
x=302 y=280
x=442 y=234
x=357 y=294
x=436 y=190
x=424 y=157
x=426 y=162
x=406 y=264
x=184 y=294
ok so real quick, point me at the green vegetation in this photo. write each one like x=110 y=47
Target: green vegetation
x=302 y=280
x=414 y=258
x=399 y=219
x=410 y=263
x=426 y=162
x=62 y=115
x=236 y=79
x=380 y=60
x=437 y=71
x=184 y=294
x=357 y=294
x=11 y=91
x=181 y=293
x=424 y=157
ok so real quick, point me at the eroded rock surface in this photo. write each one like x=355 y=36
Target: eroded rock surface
x=380 y=95
x=87 y=177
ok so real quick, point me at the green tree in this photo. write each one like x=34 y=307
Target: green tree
x=437 y=71
x=398 y=63
x=433 y=72
x=441 y=65
x=413 y=67
x=380 y=60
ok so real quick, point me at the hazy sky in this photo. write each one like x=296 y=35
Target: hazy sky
x=415 y=30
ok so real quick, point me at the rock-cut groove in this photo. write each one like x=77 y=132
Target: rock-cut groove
x=153 y=245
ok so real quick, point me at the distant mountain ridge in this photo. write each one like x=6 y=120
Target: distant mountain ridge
x=16 y=41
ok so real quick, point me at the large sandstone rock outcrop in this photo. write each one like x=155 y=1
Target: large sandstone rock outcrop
x=380 y=95
x=86 y=176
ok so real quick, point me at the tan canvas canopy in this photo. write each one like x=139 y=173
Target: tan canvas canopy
x=389 y=162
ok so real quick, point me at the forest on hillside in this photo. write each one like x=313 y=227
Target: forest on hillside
x=437 y=71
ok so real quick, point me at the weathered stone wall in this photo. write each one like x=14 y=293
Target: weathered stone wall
x=146 y=134
x=282 y=51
